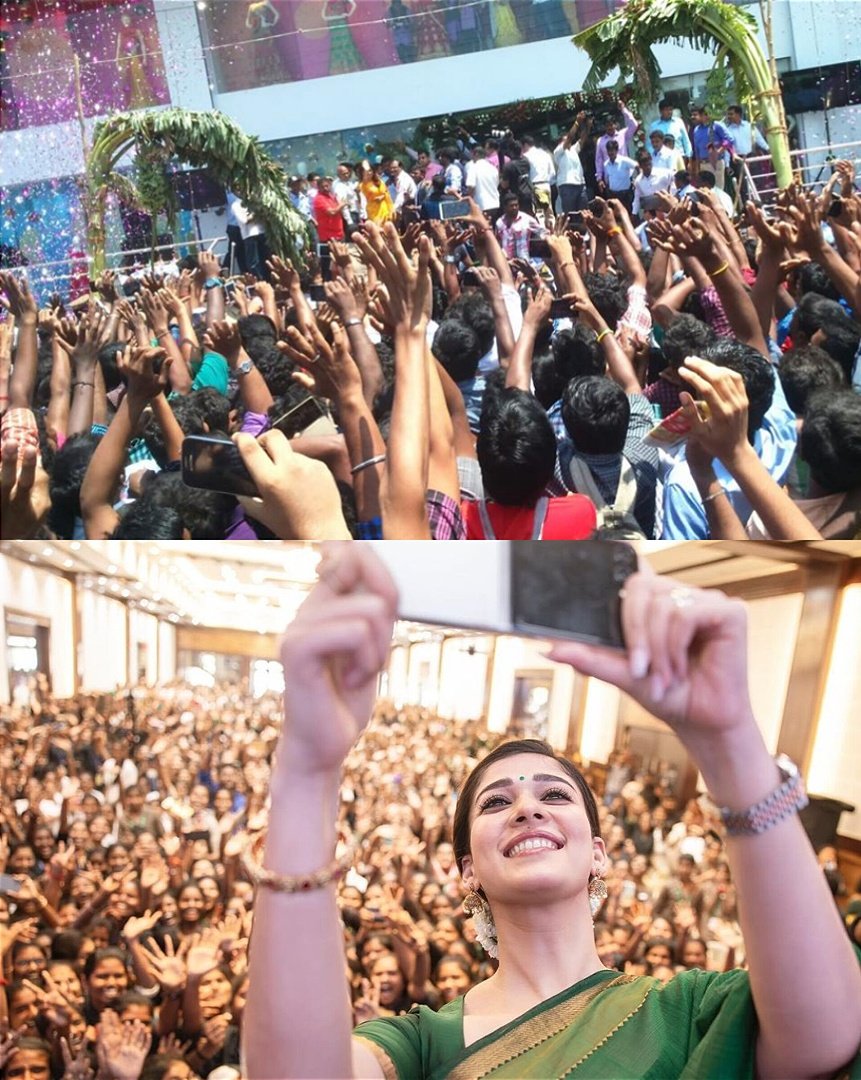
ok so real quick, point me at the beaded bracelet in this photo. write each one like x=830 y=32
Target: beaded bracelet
x=293 y=883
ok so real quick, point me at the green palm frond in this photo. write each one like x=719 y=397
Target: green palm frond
x=212 y=141
x=626 y=39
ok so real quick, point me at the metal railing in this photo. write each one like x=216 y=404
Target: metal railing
x=765 y=180
x=40 y=280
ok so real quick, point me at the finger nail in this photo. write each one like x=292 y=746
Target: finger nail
x=639 y=662
x=656 y=687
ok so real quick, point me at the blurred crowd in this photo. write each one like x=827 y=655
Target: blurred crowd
x=125 y=909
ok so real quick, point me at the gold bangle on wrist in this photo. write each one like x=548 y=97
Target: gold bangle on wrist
x=720 y=270
x=293 y=883
x=602 y=335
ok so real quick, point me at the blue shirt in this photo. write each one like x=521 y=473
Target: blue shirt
x=775 y=443
x=713 y=132
x=676 y=127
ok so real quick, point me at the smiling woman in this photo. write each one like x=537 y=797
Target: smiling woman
x=528 y=846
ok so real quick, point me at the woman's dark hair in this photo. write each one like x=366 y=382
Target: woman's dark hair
x=461 y=826
x=258 y=333
x=109 y=953
x=516 y=447
x=66 y=946
x=812 y=278
x=142 y=520
x=157 y=1065
x=206 y=514
x=453 y=958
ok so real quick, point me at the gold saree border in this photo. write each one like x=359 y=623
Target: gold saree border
x=549 y=1023
x=385 y=1062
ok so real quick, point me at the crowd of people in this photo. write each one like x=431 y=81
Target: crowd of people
x=512 y=342
x=126 y=909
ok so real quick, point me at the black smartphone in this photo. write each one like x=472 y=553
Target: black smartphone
x=469 y=277
x=561 y=309
x=559 y=590
x=301 y=416
x=323 y=251
x=213 y=462
x=538 y=248
x=317 y=293
x=459 y=208
x=197 y=834
x=836 y=208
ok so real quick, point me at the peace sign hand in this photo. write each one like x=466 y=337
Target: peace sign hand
x=367 y=1007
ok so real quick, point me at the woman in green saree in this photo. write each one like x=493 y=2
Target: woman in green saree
x=527 y=843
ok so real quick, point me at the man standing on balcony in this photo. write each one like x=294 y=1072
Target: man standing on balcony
x=748 y=139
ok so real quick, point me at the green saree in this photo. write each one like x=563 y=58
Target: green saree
x=700 y=1024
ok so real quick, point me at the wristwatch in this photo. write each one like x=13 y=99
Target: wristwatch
x=244 y=367
x=450 y=259
x=787 y=798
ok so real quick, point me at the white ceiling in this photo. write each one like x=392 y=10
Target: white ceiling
x=257 y=585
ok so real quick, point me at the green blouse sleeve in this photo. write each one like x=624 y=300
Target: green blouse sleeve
x=399 y=1039
x=212 y=372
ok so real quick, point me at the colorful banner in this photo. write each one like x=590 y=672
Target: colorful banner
x=116 y=45
x=255 y=43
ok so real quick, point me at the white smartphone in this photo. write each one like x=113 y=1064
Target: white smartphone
x=533 y=588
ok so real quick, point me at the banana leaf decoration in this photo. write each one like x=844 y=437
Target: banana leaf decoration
x=625 y=40
x=201 y=139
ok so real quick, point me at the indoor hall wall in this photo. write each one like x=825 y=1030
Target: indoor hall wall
x=463 y=677
x=835 y=766
x=104 y=642
x=166 y=652
x=44 y=595
x=520 y=655
x=143 y=630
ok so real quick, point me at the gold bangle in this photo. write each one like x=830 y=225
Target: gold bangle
x=602 y=335
x=293 y=883
x=720 y=270
x=569 y=263
x=615 y=231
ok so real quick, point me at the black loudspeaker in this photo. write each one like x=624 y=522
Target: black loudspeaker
x=821 y=819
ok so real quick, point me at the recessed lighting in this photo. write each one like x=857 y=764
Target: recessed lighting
x=102 y=581
x=125 y=594
x=68 y=563
x=32 y=558
x=47 y=552
x=112 y=569
x=74 y=546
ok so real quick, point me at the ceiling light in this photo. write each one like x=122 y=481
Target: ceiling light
x=112 y=569
x=125 y=594
x=75 y=546
x=47 y=552
x=102 y=581
x=68 y=563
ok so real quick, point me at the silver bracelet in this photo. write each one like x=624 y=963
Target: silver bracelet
x=715 y=495
x=367 y=464
x=787 y=798
x=353 y=322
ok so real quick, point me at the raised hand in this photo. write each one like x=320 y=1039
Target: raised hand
x=722 y=433
x=208 y=266
x=332 y=652
x=283 y=272
x=19 y=300
x=170 y=1044
x=332 y=369
x=224 y=338
x=138 y=925
x=367 y=1007
x=24 y=496
x=165 y=966
x=146 y=372
x=76 y=1066
x=134 y=319
x=52 y=1004
x=107 y=286
x=405 y=290
x=122 y=1048
x=203 y=953
x=298 y=495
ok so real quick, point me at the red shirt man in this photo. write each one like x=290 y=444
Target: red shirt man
x=328 y=213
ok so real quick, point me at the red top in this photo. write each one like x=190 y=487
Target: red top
x=568 y=517
x=329 y=226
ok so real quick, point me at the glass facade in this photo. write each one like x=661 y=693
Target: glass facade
x=116 y=46
x=253 y=43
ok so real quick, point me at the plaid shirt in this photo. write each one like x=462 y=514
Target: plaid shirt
x=664 y=393
x=637 y=316
x=446 y=520
x=714 y=312
x=605 y=468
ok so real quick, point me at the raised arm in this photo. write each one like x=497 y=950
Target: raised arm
x=22 y=383
x=686 y=663
x=298 y=1020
